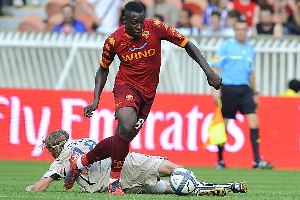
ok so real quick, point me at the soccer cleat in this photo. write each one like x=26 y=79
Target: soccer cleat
x=115 y=188
x=221 y=165
x=73 y=172
x=261 y=164
x=238 y=187
x=235 y=187
x=205 y=191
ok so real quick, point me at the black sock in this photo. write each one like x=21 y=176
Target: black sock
x=255 y=140
x=220 y=152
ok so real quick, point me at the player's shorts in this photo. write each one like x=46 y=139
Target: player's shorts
x=237 y=98
x=126 y=96
x=140 y=171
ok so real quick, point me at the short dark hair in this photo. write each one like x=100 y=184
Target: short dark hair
x=215 y=13
x=133 y=6
x=294 y=85
x=189 y=12
x=241 y=20
x=234 y=14
x=160 y=17
x=267 y=8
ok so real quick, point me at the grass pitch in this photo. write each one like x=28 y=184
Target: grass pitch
x=262 y=184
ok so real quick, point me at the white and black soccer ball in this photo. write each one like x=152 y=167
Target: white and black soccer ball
x=183 y=181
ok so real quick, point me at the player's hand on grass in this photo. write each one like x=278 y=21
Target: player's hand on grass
x=214 y=80
x=88 y=110
x=29 y=188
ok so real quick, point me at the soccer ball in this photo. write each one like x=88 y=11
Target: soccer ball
x=183 y=181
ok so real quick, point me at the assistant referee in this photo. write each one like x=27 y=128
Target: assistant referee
x=234 y=61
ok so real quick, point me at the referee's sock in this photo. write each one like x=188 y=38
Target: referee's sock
x=255 y=140
x=220 y=152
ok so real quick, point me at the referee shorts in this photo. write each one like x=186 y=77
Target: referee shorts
x=237 y=98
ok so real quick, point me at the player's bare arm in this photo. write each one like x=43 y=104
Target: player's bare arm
x=41 y=185
x=100 y=80
x=213 y=79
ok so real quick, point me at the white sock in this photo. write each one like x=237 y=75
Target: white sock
x=79 y=164
x=160 y=187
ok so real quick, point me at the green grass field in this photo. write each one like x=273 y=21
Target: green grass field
x=262 y=184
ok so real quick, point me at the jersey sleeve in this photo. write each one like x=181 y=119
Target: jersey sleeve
x=220 y=55
x=57 y=168
x=251 y=60
x=108 y=52
x=168 y=33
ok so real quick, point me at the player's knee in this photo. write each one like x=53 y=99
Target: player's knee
x=166 y=168
x=253 y=120
x=127 y=129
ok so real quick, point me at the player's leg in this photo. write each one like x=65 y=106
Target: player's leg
x=221 y=163
x=128 y=104
x=248 y=108
x=229 y=108
x=127 y=119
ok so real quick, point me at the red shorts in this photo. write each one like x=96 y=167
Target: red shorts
x=126 y=96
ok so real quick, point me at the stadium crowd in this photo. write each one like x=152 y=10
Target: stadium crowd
x=190 y=17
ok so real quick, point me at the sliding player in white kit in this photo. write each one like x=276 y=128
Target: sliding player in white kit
x=140 y=174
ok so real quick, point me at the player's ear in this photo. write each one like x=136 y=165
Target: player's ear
x=123 y=19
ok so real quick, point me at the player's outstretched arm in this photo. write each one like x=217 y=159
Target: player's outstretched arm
x=213 y=79
x=100 y=80
x=41 y=185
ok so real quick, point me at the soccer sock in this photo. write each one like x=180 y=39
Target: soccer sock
x=160 y=187
x=120 y=149
x=255 y=140
x=220 y=152
x=101 y=151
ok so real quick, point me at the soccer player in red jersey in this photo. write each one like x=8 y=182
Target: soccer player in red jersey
x=138 y=46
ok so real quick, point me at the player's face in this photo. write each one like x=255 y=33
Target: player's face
x=241 y=29
x=134 y=24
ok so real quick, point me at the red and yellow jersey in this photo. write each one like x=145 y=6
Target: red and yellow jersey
x=140 y=57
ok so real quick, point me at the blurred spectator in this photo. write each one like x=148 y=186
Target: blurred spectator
x=69 y=24
x=158 y=17
x=20 y=3
x=232 y=17
x=220 y=7
x=184 y=25
x=248 y=8
x=290 y=16
x=215 y=27
x=267 y=25
x=104 y=12
x=292 y=91
x=1 y=8
x=166 y=9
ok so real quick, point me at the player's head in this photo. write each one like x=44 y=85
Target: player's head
x=241 y=30
x=294 y=85
x=55 y=142
x=134 y=17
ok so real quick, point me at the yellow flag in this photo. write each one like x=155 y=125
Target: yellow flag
x=217 y=131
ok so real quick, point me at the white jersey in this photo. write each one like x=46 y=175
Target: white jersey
x=138 y=169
